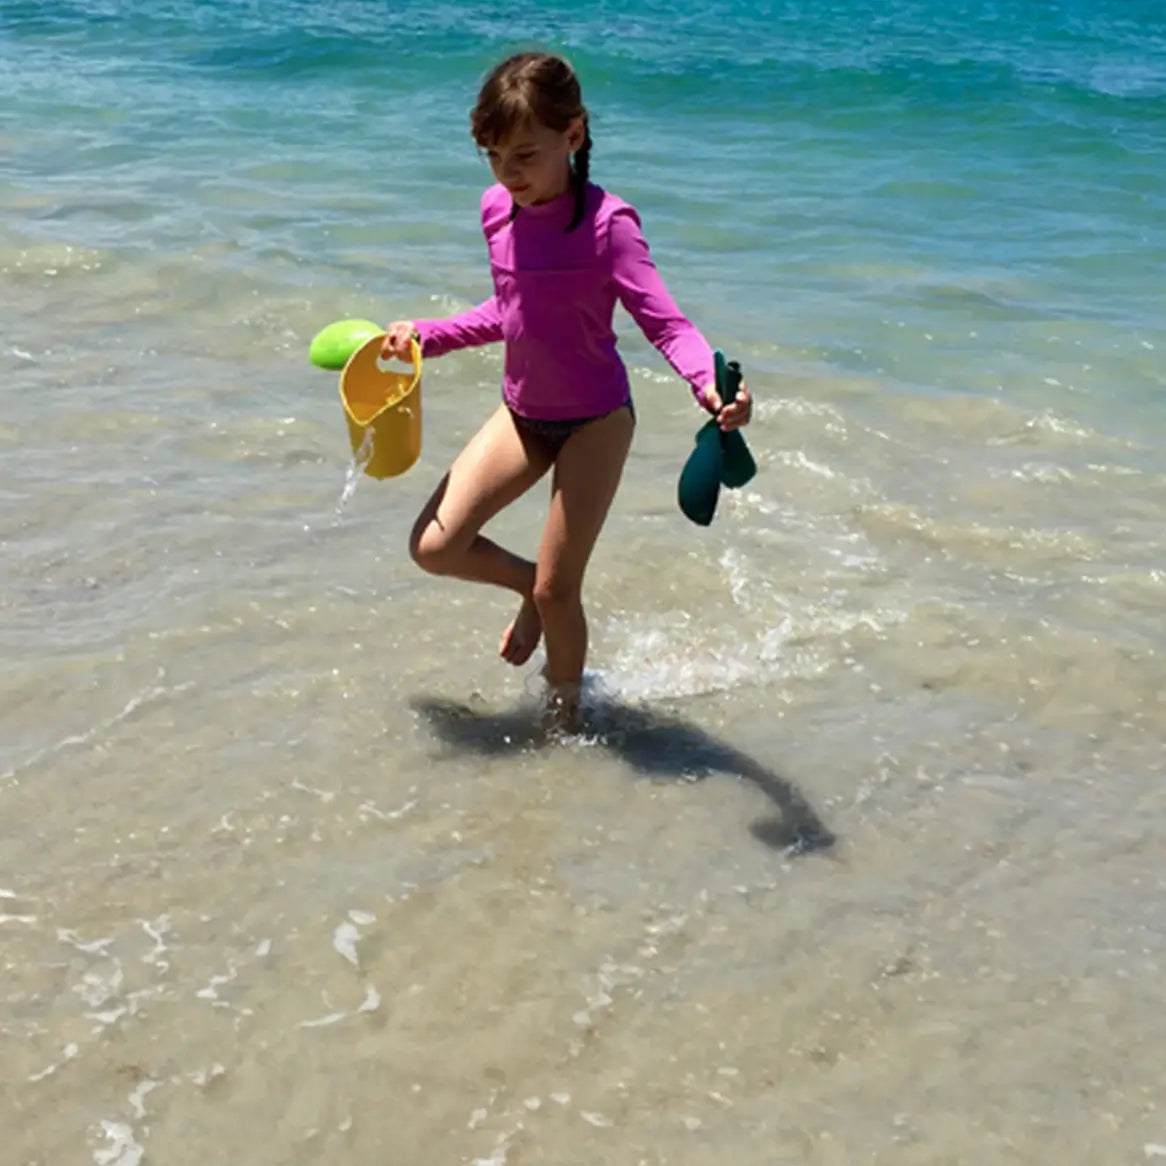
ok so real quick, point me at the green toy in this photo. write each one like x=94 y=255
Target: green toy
x=332 y=346
x=718 y=459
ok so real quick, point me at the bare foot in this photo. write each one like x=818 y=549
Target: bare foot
x=560 y=716
x=521 y=638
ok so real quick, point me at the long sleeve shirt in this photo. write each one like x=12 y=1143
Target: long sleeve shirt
x=554 y=301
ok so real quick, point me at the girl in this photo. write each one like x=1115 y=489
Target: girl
x=562 y=251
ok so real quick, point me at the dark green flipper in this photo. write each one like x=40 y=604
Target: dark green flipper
x=700 y=480
x=739 y=466
x=718 y=457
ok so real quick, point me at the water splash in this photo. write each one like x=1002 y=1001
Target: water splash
x=356 y=466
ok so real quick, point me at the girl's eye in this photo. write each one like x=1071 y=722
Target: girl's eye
x=522 y=158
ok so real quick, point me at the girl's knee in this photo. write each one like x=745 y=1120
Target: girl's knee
x=554 y=593
x=430 y=549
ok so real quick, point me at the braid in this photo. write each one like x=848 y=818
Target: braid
x=580 y=173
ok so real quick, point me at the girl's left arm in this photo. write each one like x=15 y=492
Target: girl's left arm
x=643 y=293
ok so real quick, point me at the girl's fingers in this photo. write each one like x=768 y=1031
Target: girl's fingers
x=395 y=345
x=738 y=413
x=397 y=340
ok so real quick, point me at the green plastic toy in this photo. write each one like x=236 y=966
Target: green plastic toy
x=332 y=346
x=719 y=459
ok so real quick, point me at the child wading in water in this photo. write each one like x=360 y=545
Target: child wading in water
x=562 y=252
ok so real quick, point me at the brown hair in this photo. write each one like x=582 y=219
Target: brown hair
x=538 y=88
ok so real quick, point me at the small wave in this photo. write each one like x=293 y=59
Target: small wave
x=979 y=540
x=1129 y=80
x=667 y=657
x=75 y=740
x=1043 y=425
x=52 y=260
x=796 y=459
x=1043 y=473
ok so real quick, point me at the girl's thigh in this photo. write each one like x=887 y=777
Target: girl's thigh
x=497 y=466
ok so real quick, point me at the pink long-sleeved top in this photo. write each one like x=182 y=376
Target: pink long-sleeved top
x=554 y=299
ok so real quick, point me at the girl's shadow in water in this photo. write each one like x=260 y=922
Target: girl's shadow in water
x=653 y=743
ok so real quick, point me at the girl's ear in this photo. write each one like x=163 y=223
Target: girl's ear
x=576 y=132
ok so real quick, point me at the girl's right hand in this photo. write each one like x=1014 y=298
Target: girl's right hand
x=399 y=338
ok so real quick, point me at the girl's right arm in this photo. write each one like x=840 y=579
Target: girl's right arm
x=480 y=325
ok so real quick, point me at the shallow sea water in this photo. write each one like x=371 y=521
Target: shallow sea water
x=860 y=858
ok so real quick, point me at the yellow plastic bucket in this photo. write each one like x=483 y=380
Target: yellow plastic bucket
x=383 y=410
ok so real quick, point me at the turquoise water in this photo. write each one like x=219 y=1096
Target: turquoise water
x=282 y=878
x=950 y=200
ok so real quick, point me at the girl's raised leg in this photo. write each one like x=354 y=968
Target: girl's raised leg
x=497 y=466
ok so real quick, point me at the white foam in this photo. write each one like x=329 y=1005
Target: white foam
x=1049 y=422
x=138 y=1097
x=501 y=1149
x=67 y=1054
x=1041 y=472
x=325 y=795
x=97 y=989
x=388 y=815
x=798 y=407
x=156 y=929
x=203 y=1077
x=654 y=662
x=211 y=991
x=108 y=1017
x=90 y=947
x=1117 y=471
x=797 y=460
x=661 y=655
x=123 y=1150
x=372 y=1001
x=344 y=941
x=497 y=1158
x=325 y=1021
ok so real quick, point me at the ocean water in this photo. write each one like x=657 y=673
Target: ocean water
x=861 y=858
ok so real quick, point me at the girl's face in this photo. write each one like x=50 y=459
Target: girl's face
x=533 y=162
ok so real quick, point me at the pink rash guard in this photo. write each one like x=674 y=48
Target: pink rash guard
x=554 y=299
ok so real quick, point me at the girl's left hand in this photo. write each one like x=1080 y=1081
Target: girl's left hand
x=731 y=416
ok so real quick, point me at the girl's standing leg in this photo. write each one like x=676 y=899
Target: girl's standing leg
x=497 y=466
x=587 y=473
